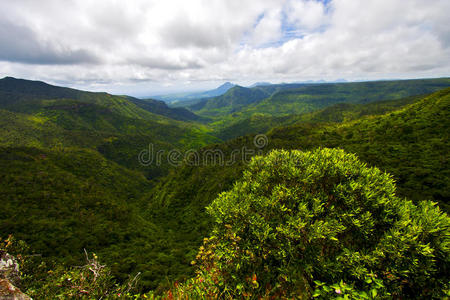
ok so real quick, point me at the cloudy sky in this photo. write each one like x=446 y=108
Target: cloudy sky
x=145 y=47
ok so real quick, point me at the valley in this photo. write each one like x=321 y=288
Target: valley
x=70 y=178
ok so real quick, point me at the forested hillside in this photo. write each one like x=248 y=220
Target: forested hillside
x=411 y=144
x=24 y=95
x=40 y=115
x=233 y=100
x=261 y=123
x=228 y=149
x=71 y=178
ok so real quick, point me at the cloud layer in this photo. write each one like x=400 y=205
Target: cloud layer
x=144 y=46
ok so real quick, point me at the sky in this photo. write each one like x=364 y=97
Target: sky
x=146 y=47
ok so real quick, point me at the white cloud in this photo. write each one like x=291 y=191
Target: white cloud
x=306 y=14
x=268 y=28
x=113 y=44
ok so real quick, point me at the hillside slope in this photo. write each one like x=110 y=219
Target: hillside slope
x=161 y=108
x=24 y=95
x=35 y=114
x=70 y=177
x=261 y=123
x=235 y=99
x=411 y=143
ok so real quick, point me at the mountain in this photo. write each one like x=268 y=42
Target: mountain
x=287 y=99
x=14 y=92
x=40 y=115
x=235 y=99
x=183 y=99
x=316 y=96
x=58 y=200
x=221 y=89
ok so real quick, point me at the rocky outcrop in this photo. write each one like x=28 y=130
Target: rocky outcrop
x=9 y=268
x=9 y=292
x=9 y=277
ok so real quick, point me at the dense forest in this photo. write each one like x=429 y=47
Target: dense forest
x=319 y=190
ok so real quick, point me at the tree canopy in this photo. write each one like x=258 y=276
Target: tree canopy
x=323 y=224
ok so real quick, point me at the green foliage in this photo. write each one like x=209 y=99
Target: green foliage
x=62 y=190
x=311 y=97
x=343 y=290
x=33 y=271
x=296 y=217
x=61 y=202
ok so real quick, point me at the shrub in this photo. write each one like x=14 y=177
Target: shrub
x=322 y=224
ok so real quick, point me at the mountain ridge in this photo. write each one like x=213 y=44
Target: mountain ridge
x=14 y=92
x=286 y=99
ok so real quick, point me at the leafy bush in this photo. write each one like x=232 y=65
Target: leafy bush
x=323 y=224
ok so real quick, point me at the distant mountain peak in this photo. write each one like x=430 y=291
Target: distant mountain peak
x=225 y=87
x=262 y=83
x=186 y=97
